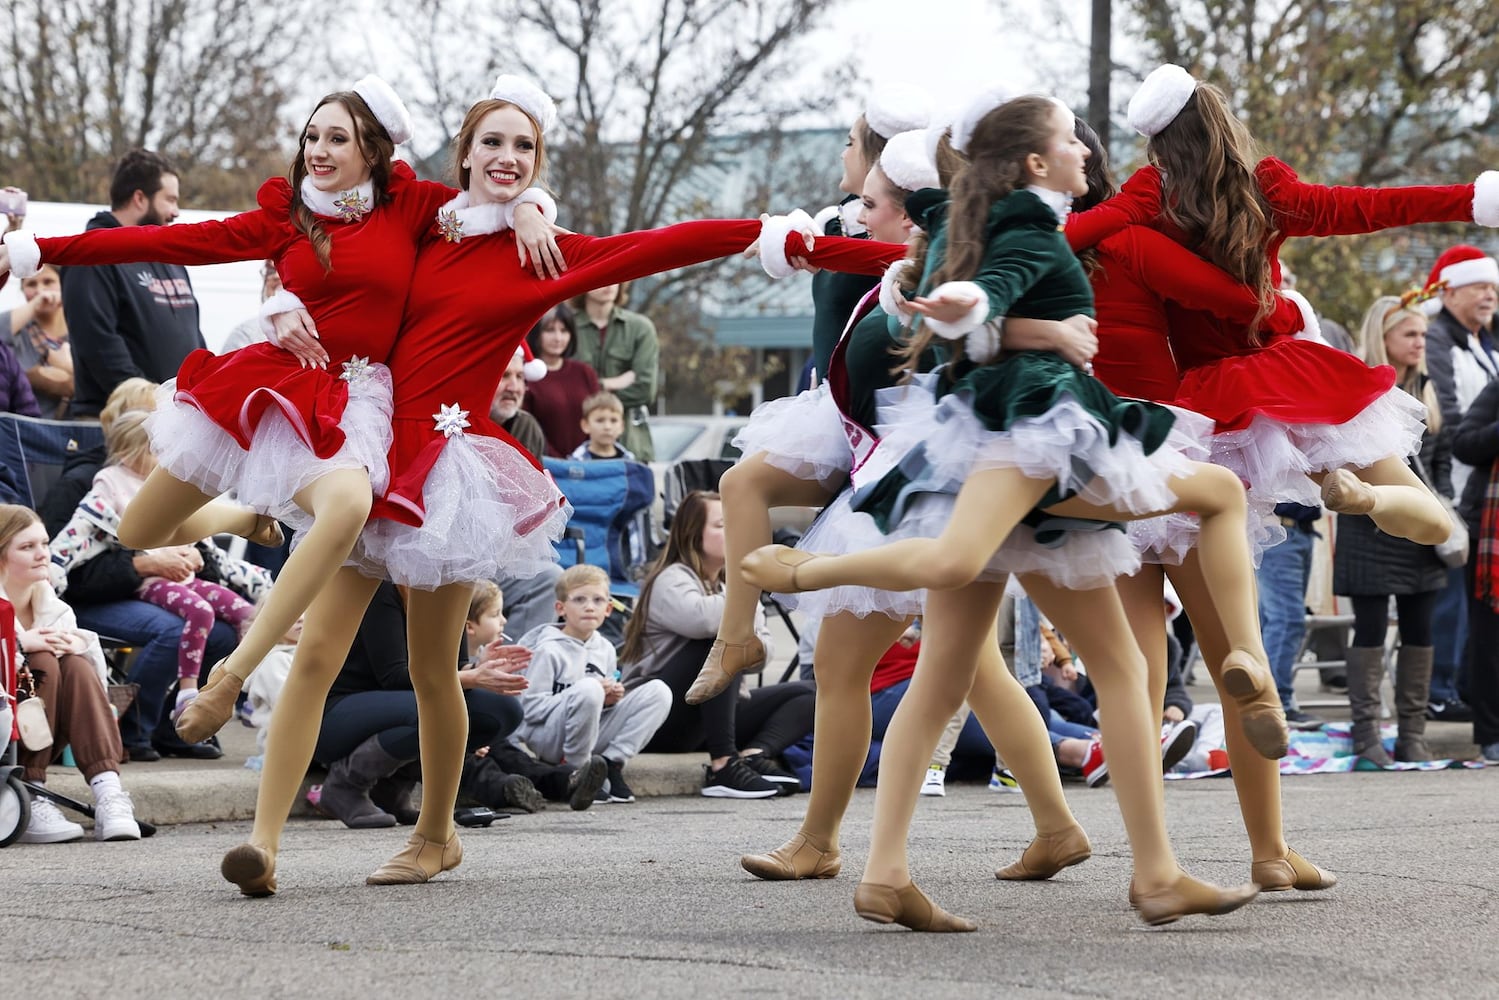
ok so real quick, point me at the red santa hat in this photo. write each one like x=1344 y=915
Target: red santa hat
x=1457 y=266
x=534 y=368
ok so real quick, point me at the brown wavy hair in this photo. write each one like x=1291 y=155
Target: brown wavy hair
x=375 y=146
x=1101 y=186
x=684 y=544
x=1208 y=189
x=1001 y=142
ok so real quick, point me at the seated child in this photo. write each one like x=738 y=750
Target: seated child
x=95 y=528
x=574 y=704
x=604 y=423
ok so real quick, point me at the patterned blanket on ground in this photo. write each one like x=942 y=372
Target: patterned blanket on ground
x=1326 y=751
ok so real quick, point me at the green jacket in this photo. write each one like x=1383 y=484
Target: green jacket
x=629 y=343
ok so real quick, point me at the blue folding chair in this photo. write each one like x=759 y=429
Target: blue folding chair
x=34 y=451
x=610 y=498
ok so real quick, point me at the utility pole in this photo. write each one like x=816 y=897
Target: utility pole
x=1100 y=69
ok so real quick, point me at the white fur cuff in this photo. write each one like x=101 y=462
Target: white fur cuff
x=975 y=317
x=534 y=196
x=1486 y=198
x=1311 y=327
x=25 y=255
x=1160 y=99
x=891 y=299
x=821 y=219
x=387 y=107
x=774 y=232
x=982 y=345
x=282 y=302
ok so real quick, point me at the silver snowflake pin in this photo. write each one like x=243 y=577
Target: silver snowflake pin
x=450 y=225
x=451 y=420
x=352 y=206
x=356 y=369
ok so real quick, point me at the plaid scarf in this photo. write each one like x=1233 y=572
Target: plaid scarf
x=1486 y=570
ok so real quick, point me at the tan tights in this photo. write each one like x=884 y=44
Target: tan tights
x=1403 y=506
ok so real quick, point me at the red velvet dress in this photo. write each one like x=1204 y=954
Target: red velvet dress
x=465 y=502
x=255 y=421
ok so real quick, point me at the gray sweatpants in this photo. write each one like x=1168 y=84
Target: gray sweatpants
x=579 y=724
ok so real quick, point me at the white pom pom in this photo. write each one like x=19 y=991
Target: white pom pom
x=535 y=370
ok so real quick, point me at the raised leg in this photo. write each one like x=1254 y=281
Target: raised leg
x=168 y=511
x=1393 y=497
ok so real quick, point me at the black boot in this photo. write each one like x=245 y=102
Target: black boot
x=1365 y=671
x=1412 y=689
x=393 y=794
x=346 y=792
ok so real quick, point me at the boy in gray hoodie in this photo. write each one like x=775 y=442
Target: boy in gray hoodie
x=574 y=704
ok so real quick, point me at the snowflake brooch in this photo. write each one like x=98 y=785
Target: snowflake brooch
x=352 y=206
x=450 y=225
x=451 y=420
x=356 y=370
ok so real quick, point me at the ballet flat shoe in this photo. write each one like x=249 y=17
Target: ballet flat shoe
x=1048 y=855
x=1186 y=896
x=1345 y=493
x=267 y=532
x=796 y=859
x=214 y=706
x=419 y=861
x=773 y=568
x=725 y=662
x=1253 y=690
x=251 y=868
x=907 y=906
x=1290 y=872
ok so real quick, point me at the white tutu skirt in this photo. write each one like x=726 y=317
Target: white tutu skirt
x=278 y=464
x=1274 y=457
x=839 y=530
x=489 y=513
x=1167 y=539
x=802 y=435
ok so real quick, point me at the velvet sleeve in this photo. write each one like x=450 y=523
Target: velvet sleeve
x=846 y=254
x=254 y=235
x=1138 y=202
x=595 y=261
x=1303 y=209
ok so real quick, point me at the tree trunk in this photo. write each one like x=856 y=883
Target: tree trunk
x=1100 y=69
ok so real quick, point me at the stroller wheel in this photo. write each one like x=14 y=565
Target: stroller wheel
x=15 y=809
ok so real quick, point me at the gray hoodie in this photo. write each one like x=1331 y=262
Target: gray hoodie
x=558 y=661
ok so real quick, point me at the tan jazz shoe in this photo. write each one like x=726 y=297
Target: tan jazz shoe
x=773 y=568
x=419 y=861
x=907 y=906
x=1290 y=872
x=267 y=532
x=1048 y=855
x=800 y=857
x=251 y=868
x=1252 y=687
x=1186 y=896
x=1345 y=493
x=214 y=706
x=725 y=662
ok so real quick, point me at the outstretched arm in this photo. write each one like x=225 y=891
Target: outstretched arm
x=248 y=236
x=1303 y=209
x=594 y=261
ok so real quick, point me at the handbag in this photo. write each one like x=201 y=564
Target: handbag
x=1453 y=553
x=31 y=713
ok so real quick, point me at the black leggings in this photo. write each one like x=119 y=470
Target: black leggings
x=391 y=715
x=1371 y=618
x=771 y=718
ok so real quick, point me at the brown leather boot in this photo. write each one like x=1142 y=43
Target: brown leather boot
x=1365 y=671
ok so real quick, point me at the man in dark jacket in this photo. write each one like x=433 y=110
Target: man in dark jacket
x=1476 y=441
x=128 y=320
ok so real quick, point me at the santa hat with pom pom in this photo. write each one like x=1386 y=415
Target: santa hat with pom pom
x=534 y=368
x=1457 y=266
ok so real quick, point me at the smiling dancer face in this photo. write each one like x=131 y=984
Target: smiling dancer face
x=501 y=152
x=883 y=209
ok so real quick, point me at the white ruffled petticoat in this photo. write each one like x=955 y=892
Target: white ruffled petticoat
x=489 y=513
x=839 y=530
x=802 y=435
x=1274 y=458
x=278 y=464
x=1167 y=539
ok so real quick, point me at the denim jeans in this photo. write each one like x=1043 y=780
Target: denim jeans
x=1449 y=634
x=971 y=741
x=1284 y=572
x=154 y=633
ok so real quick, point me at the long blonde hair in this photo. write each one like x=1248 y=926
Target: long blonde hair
x=14 y=519
x=1384 y=315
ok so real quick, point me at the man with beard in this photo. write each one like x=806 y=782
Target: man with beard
x=128 y=320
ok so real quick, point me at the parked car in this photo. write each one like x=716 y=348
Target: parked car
x=680 y=437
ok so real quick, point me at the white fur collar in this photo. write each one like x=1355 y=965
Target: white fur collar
x=458 y=218
x=345 y=206
x=1058 y=201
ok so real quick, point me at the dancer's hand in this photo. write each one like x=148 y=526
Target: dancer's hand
x=297 y=333
x=536 y=242
x=944 y=308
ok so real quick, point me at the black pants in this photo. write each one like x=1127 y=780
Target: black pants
x=770 y=719
x=1371 y=618
x=391 y=715
x=1482 y=658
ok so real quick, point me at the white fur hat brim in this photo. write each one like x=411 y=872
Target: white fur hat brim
x=1160 y=99
x=527 y=96
x=906 y=163
x=983 y=102
x=386 y=106
x=896 y=108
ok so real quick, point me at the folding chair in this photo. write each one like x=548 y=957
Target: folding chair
x=35 y=450
x=686 y=476
x=608 y=498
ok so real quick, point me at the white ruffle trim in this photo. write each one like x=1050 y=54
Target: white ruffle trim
x=278 y=464
x=489 y=513
x=1167 y=539
x=1274 y=457
x=839 y=530
x=802 y=435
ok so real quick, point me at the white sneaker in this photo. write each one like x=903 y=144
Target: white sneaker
x=935 y=782
x=114 y=817
x=1177 y=740
x=48 y=825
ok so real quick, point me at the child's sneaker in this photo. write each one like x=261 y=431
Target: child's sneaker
x=184 y=699
x=1095 y=768
x=736 y=780
x=1177 y=740
x=770 y=769
x=1002 y=780
x=615 y=789
x=935 y=782
x=584 y=783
